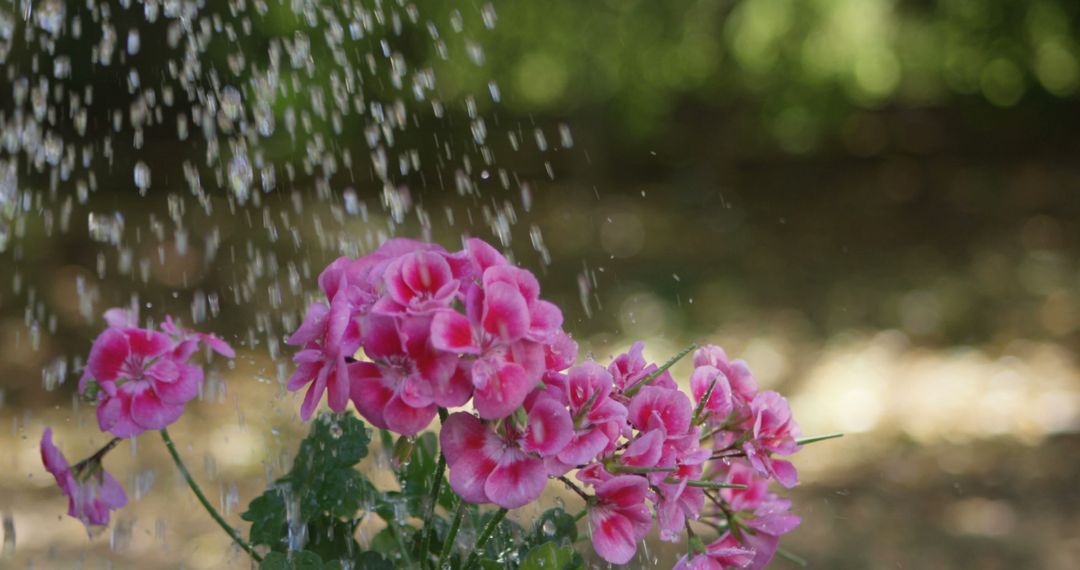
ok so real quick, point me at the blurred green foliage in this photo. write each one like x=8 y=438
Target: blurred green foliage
x=802 y=65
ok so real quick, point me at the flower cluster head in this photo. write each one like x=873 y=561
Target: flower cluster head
x=141 y=379
x=412 y=328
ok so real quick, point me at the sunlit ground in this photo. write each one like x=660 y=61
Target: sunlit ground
x=954 y=458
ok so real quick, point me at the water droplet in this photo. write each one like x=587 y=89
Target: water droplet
x=133 y=41
x=548 y=528
x=142 y=177
x=240 y=178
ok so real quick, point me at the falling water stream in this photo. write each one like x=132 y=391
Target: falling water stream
x=206 y=159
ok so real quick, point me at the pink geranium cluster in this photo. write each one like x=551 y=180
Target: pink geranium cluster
x=141 y=379
x=412 y=328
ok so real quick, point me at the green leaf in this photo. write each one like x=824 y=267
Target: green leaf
x=322 y=492
x=373 y=561
x=303 y=560
x=331 y=538
x=335 y=441
x=266 y=513
x=384 y=542
x=549 y=556
x=341 y=492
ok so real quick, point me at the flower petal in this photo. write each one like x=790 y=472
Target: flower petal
x=54 y=461
x=147 y=344
x=457 y=388
x=545 y=320
x=471 y=451
x=451 y=332
x=107 y=355
x=314 y=394
x=671 y=408
x=503 y=392
x=164 y=370
x=506 y=315
x=314 y=326
x=114 y=415
x=550 y=428
x=337 y=386
x=425 y=272
x=584 y=447
x=218 y=345
x=381 y=338
x=368 y=392
x=184 y=389
x=483 y=255
x=612 y=536
x=517 y=480
x=405 y=419
x=462 y=435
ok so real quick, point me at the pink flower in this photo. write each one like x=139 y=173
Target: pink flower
x=630 y=369
x=737 y=372
x=755 y=493
x=678 y=501
x=329 y=336
x=770 y=521
x=192 y=338
x=91 y=491
x=765 y=517
x=660 y=408
x=774 y=431
x=725 y=552
x=599 y=420
x=143 y=377
x=503 y=331
x=479 y=256
x=122 y=318
x=620 y=518
x=721 y=402
x=505 y=467
x=407 y=380
x=418 y=282
x=363 y=276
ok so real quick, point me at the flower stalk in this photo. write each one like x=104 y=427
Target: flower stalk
x=484 y=536
x=233 y=534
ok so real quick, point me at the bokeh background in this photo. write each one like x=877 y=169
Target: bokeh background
x=874 y=202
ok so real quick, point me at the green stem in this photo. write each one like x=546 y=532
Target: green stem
x=581 y=493
x=641 y=470
x=714 y=485
x=484 y=536
x=791 y=557
x=629 y=392
x=436 y=488
x=451 y=536
x=205 y=502
x=817 y=438
x=704 y=400
x=97 y=456
x=396 y=534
